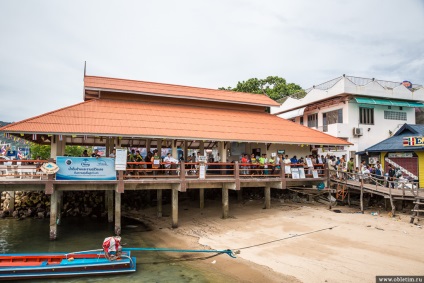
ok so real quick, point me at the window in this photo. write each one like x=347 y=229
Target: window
x=400 y=108
x=366 y=116
x=395 y=115
x=332 y=117
x=301 y=120
x=313 y=120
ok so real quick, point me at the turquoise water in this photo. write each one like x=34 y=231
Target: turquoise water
x=78 y=234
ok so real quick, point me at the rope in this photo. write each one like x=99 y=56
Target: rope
x=228 y=251
x=180 y=259
x=293 y=236
x=218 y=252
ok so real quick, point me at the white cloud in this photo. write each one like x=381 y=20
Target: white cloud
x=199 y=43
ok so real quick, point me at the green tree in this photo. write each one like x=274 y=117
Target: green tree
x=44 y=151
x=40 y=150
x=74 y=150
x=274 y=87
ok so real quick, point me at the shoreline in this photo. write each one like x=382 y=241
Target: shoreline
x=359 y=247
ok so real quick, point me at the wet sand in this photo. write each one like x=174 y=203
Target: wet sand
x=291 y=242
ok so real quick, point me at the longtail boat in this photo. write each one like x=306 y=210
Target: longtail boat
x=56 y=265
x=111 y=260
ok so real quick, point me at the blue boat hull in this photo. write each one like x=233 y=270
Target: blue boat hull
x=54 y=265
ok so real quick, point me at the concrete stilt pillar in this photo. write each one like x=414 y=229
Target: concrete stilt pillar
x=225 y=203
x=159 y=203
x=174 y=208
x=267 y=204
x=59 y=207
x=202 y=198
x=53 y=215
x=109 y=195
x=117 y=214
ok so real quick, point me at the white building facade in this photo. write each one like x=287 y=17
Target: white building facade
x=362 y=111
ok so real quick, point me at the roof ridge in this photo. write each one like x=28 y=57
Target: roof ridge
x=44 y=114
x=178 y=85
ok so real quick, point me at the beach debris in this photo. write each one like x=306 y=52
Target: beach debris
x=405 y=232
x=368 y=225
x=374 y=213
x=213 y=262
x=378 y=228
x=337 y=211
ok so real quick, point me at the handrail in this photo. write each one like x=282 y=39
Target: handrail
x=376 y=179
x=143 y=169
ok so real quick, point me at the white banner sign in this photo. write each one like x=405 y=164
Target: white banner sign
x=121 y=159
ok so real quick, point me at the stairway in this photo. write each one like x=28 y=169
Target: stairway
x=419 y=201
x=403 y=170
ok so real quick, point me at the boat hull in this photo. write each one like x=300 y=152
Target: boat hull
x=33 y=266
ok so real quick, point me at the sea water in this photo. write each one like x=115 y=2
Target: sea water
x=80 y=234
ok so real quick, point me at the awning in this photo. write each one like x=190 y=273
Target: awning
x=292 y=114
x=388 y=102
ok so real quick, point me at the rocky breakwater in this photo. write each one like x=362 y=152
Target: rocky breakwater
x=37 y=204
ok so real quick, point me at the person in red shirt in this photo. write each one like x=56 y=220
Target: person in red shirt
x=244 y=161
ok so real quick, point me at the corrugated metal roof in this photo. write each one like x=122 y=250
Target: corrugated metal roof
x=178 y=91
x=157 y=120
x=388 y=102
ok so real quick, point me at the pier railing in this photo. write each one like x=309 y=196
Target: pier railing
x=31 y=169
x=140 y=170
x=22 y=169
x=378 y=183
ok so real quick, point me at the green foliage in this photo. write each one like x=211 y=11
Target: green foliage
x=74 y=150
x=274 y=87
x=40 y=150
x=44 y=151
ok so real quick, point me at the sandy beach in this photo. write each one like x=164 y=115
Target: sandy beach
x=293 y=242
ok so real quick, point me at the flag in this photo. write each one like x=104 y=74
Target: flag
x=408 y=141
x=3 y=149
x=60 y=137
x=34 y=137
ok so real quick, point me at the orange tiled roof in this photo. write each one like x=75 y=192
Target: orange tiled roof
x=157 y=120
x=187 y=92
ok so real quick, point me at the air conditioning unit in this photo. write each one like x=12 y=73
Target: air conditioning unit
x=358 y=131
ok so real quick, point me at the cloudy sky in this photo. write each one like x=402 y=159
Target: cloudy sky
x=199 y=43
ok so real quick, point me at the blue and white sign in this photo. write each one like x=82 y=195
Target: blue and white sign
x=85 y=168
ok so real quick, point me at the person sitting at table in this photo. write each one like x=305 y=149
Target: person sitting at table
x=169 y=160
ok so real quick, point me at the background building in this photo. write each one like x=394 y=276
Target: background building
x=362 y=111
